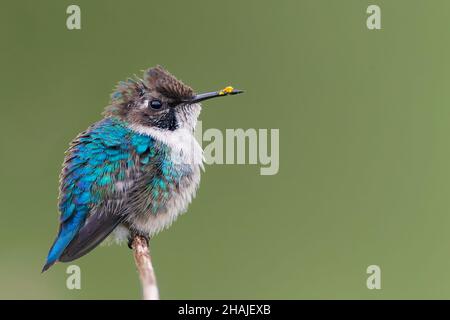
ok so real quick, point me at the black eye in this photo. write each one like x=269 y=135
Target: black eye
x=155 y=104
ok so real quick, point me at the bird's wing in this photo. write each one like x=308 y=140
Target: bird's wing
x=99 y=165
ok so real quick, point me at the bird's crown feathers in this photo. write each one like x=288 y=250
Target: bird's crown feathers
x=155 y=79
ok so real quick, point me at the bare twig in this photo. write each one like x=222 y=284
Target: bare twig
x=145 y=268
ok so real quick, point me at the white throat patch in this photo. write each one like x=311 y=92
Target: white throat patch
x=185 y=148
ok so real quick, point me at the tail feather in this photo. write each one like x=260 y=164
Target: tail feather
x=96 y=229
x=79 y=235
x=67 y=232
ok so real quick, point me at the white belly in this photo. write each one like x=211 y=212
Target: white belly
x=185 y=152
x=176 y=205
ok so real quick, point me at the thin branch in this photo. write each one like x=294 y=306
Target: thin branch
x=145 y=268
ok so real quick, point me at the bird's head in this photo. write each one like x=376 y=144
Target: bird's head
x=159 y=100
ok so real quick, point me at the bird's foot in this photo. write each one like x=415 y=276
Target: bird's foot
x=133 y=235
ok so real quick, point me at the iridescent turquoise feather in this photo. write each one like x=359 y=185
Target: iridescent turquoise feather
x=96 y=161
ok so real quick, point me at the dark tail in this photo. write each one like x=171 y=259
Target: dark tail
x=67 y=232
x=96 y=229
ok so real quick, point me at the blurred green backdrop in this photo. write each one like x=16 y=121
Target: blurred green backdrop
x=364 y=144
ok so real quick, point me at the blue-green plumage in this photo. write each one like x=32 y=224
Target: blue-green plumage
x=137 y=169
x=100 y=159
x=97 y=160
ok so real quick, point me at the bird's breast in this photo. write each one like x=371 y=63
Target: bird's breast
x=181 y=169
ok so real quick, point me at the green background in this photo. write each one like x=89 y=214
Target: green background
x=364 y=145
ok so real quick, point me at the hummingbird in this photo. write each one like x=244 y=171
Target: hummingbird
x=136 y=170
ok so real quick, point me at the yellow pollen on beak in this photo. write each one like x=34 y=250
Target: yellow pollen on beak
x=226 y=90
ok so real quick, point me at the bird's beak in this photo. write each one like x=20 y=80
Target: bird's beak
x=215 y=94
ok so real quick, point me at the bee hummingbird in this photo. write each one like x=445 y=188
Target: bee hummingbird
x=133 y=172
